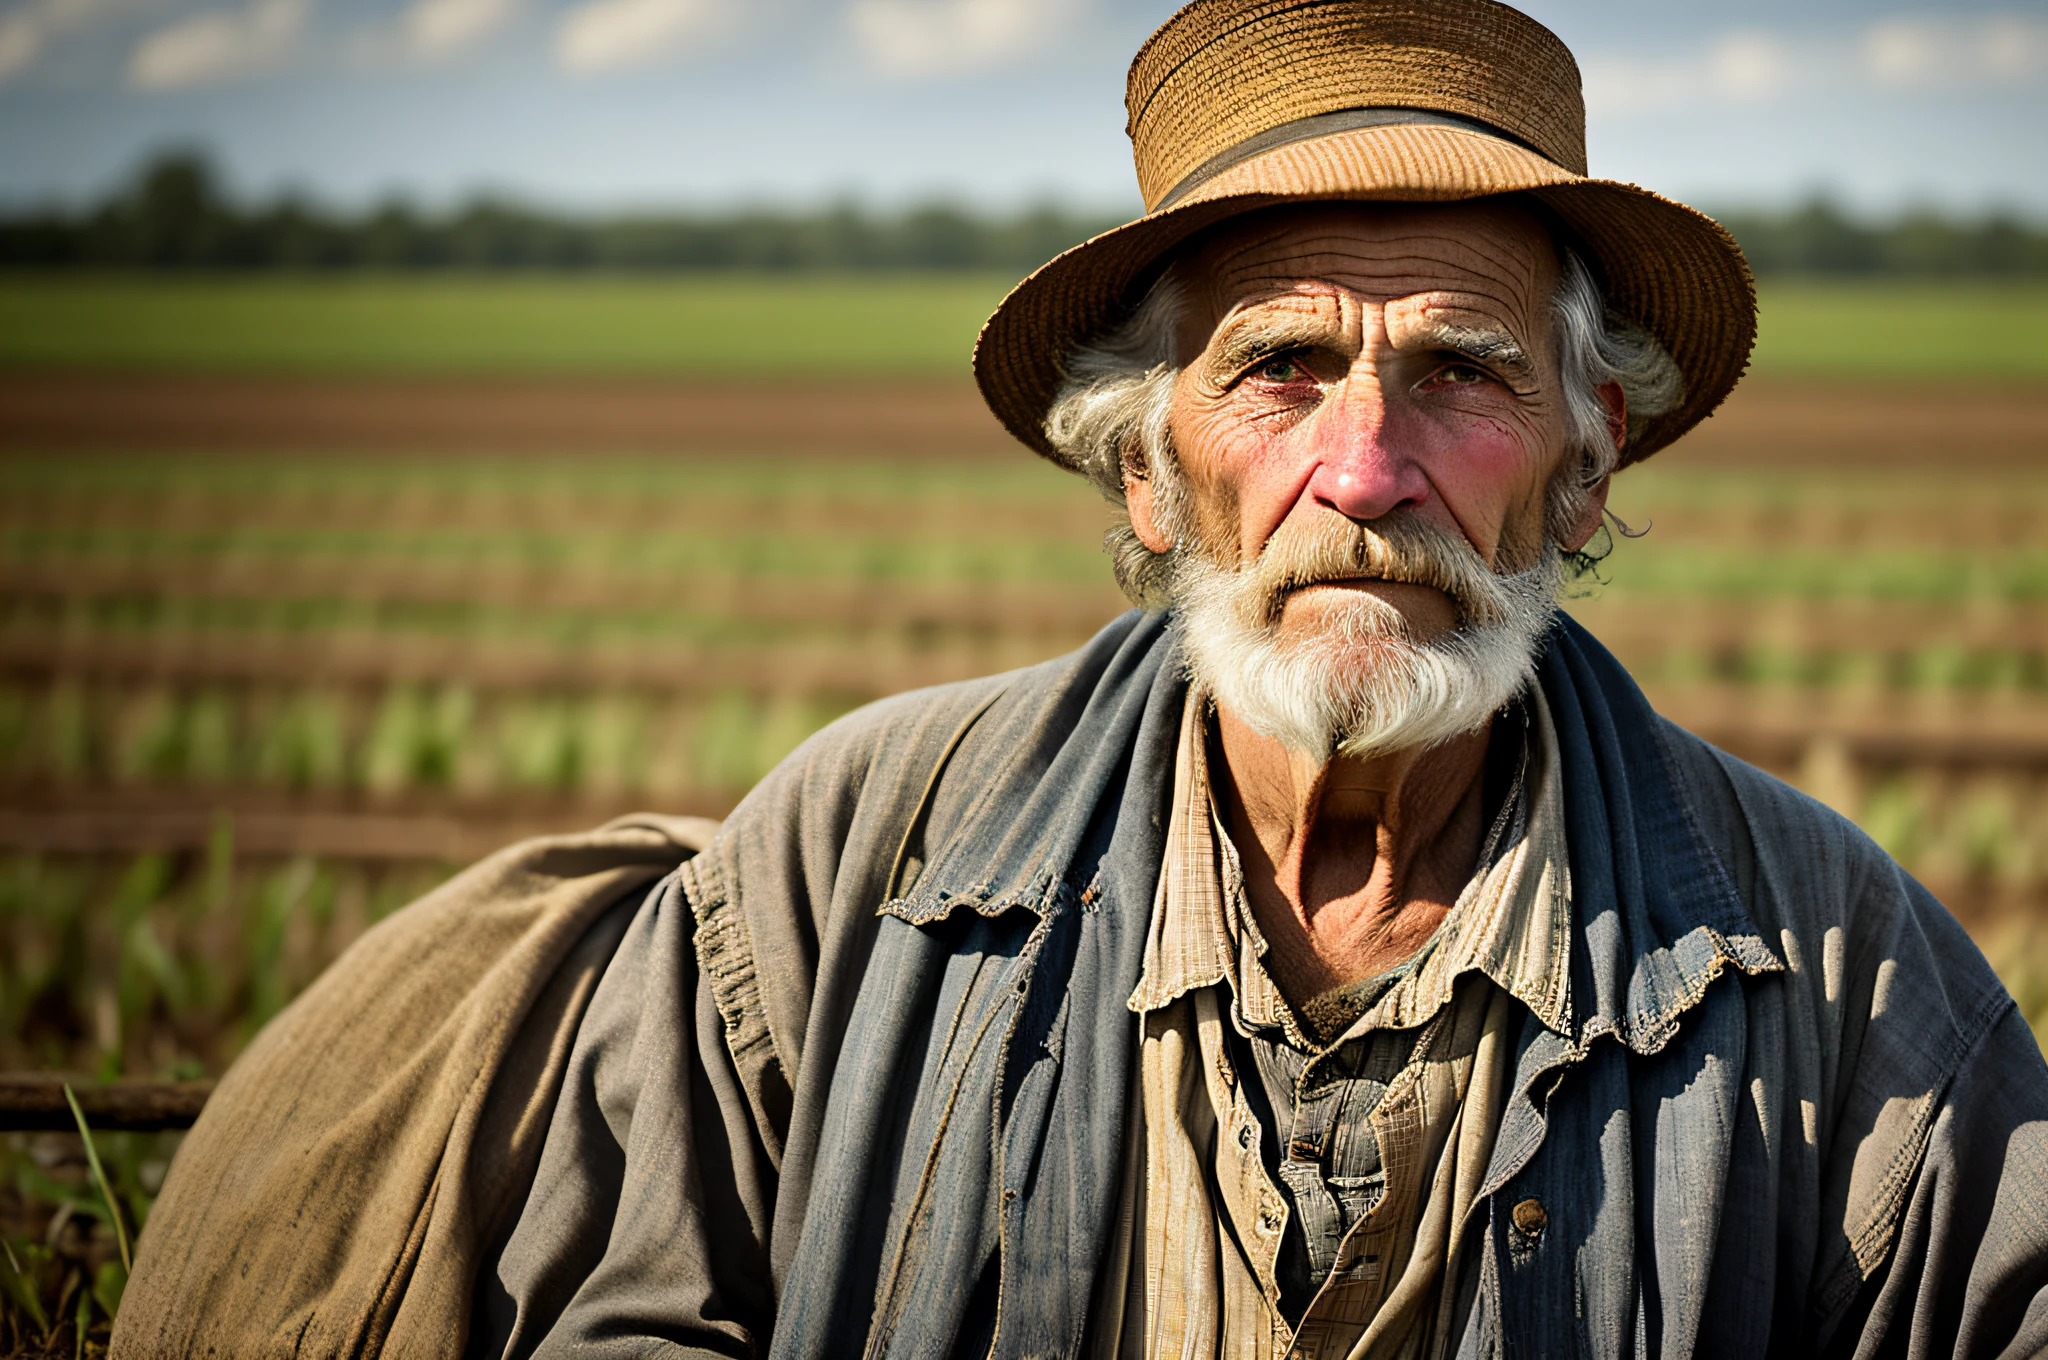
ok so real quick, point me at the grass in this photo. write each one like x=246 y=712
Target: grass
x=163 y=964
x=61 y=1284
x=1988 y=331
x=725 y=326
x=766 y=327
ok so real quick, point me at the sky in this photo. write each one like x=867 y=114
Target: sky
x=607 y=104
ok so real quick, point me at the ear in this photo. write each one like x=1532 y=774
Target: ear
x=1138 y=500
x=1581 y=532
x=1616 y=401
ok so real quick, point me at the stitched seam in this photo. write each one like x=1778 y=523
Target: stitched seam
x=1877 y=1230
x=1033 y=944
x=724 y=947
x=1871 y=1245
x=922 y=816
x=920 y=1206
x=1648 y=1035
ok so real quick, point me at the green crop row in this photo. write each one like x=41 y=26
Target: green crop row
x=685 y=555
x=443 y=741
x=163 y=965
x=1932 y=667
x=601 y=489
x=704 y=558
x=1739 y=535
x=403 y=740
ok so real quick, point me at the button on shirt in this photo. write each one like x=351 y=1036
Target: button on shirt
x=1319 y=1102
x=1282 y=1170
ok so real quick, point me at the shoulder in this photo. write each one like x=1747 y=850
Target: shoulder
x=901 y=730
x=1770 y=835
x=1853 y=923
x=853 y=788
x=1891 y=1035
x=852 y=785
x=890 y=749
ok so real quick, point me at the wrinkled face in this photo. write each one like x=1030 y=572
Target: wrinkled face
x=1350 y=363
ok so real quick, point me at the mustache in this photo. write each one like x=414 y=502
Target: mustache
x=1400 y=548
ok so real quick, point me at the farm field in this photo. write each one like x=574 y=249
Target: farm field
x=647 y=575
x=246 y=704
x=772 y=328
x=288 y=634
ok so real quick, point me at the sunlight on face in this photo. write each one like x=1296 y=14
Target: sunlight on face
x=1347 y=363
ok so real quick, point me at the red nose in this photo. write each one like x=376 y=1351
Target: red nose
x=1361 y=470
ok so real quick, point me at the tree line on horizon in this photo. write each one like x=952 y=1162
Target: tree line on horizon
x=176 y=214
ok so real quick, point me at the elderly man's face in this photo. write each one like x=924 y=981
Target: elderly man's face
x=1351 y=362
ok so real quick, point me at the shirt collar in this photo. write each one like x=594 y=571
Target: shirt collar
x=1512 y=922
x=1202 y=930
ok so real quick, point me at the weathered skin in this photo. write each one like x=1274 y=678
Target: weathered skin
x=1352 y=361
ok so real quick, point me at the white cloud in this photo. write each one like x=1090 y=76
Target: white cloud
x=920 y=39
x=25 y=33
x=2013 y=49
x=21 y=40
x=1903 y=53
x=1925 y=54
x=1908 y=54
x=434 y=29
x=1749 y=67
x=602 y=36
x=219 y=45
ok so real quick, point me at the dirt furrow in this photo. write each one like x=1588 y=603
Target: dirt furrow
x=1766 y=423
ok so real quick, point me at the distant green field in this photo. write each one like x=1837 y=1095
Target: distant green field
x=725 y=325
x=1964 y=330
x=761 y=327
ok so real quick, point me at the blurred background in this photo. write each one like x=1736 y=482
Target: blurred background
x=429 y=422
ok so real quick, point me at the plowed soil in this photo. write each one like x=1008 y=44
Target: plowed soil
x=96 y=411
x=1768 y=422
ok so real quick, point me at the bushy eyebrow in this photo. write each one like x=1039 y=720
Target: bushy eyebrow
x=1258 y=338
x=1251 y=341
x=1494 y=346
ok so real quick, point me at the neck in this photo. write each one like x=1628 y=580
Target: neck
x=1349 y=864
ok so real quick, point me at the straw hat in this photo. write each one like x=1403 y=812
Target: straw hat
x=1237 y=105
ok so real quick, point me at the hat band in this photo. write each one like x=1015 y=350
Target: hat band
x=1322 y=125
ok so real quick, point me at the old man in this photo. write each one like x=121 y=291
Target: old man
x=1334 y=957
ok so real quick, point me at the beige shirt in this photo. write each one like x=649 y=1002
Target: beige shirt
x=1203 y=1218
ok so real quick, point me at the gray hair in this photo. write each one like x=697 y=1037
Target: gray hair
x=1111 y=412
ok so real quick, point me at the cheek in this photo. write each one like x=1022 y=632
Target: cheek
x=1487 y=451
x=1246 y=474
x=1490 y=469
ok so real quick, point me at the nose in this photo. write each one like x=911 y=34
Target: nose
x=1362 y=471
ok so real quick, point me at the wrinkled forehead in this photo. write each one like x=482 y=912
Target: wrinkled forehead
x=1492 y=257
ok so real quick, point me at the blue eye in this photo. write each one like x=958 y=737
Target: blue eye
x=1280 y=371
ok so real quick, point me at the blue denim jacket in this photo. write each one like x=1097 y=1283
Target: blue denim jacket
x=1791 y=1109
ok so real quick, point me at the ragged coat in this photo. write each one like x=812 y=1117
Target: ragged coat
x=855 y=1080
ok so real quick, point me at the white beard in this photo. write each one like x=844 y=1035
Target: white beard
x=1362 y=687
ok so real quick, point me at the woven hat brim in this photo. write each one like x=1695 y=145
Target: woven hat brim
x=1674 y=271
